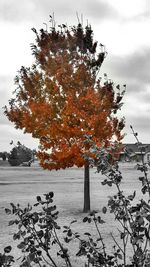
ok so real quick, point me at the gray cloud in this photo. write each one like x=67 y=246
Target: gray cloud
x=143 y=16
x=135 y=66
x=3 y=118
x=141 y=125
x=8 y=133
x=6 y=88
x=131 y=69
x=145 y=97
x=34 y=10
x=15 y=11
x=5 y=91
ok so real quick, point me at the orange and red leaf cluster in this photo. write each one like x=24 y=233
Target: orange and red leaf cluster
x=59 y=99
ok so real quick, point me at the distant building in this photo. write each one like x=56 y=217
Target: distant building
x=135 y=153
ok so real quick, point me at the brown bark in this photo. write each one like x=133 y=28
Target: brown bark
x=86 y=207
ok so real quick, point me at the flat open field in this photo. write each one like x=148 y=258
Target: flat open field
x=23 y=184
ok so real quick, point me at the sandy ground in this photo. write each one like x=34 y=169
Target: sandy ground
x=23 y=184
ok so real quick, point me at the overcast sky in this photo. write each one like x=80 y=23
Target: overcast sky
x=121 y=25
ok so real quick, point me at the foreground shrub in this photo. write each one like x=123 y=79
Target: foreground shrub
x=37 y=231
x=5 y=258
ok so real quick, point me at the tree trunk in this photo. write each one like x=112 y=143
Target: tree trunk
x=86 y=189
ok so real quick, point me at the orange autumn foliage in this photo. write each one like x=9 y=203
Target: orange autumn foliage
x=60 y=100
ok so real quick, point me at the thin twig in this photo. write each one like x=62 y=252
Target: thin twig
x=116 y=243
x=101 y=239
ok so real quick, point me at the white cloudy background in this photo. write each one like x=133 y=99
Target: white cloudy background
x=123 y=26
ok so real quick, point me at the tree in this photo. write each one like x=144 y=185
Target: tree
x=60 y=99
x=20 y=154
x=3 y=155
